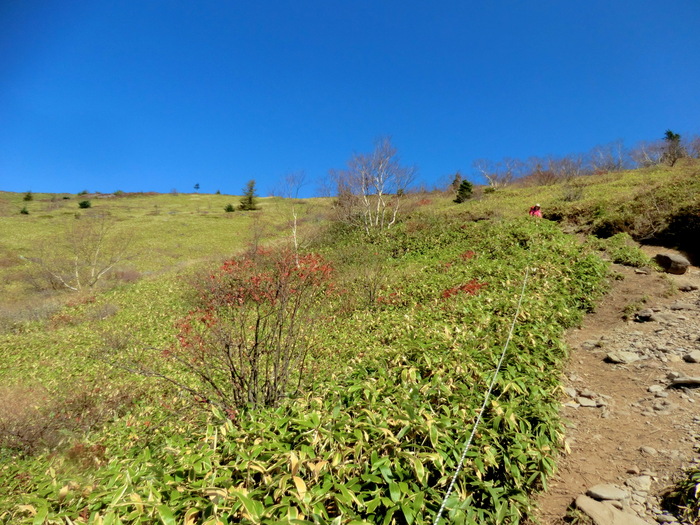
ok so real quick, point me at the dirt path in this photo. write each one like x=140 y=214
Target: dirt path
x=637 y=431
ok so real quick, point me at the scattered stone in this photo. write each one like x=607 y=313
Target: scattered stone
x=639 y=483
x=656 y=389
x=687 y=287
x=642 y=271
x=692 y=357
x=603 y=514
x=685 y=381
x=621 y=357
x=665 y=518
x=571 y=392
x=681 y=306
x=604 y=491
x=586 y=402
x=642 y=316
x=672 y=263
x=648 y=451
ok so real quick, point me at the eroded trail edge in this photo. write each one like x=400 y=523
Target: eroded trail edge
x=631 y=425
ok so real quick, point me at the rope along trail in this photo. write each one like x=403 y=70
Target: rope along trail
x=483 y=406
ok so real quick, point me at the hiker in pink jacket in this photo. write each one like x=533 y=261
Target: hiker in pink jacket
x=535 y=211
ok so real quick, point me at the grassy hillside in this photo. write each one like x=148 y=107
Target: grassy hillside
x=402 y=346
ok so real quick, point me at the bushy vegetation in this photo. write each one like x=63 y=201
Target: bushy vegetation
x=387 y=362
x=376 y=426
x=621 y=249
x=684 y=500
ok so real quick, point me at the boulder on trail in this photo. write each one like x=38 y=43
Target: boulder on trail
x=672 y=263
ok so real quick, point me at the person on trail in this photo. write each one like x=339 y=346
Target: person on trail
x=535 y=211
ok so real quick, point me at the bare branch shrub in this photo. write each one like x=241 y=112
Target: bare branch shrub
x=246 y=341
x=32 y=419
x=89 y=248
x=499 y=174
x=692 y=146
x=648 y=154
x=608 y=157
x=371 y=190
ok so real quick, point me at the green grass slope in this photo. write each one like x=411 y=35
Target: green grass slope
x=408 y=347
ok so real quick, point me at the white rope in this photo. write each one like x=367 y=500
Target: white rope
x=483 y=406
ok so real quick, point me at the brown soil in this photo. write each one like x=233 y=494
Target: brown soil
x=605 y=445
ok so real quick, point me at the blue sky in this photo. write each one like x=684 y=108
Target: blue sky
x=155 y=95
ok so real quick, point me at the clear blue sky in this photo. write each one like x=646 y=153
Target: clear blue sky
x=155 y=95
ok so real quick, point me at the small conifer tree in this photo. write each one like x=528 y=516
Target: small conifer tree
x=249 y=200
x=464 y=191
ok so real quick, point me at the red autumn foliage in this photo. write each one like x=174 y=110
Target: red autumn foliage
x=471 y=288
x=251 y=331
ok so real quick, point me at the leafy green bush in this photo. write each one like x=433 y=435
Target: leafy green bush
x=376 y=429
x=84 y=204
x=684 y=500
x=229 y=208
x=24 y=211
x=29 y=196
x=622 y=250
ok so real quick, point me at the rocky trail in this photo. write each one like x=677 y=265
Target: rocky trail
x=631 y=402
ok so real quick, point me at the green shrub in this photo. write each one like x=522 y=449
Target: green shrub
x=622 y=249
x=28 y=196
x=84 y=204
x=229 y=208
x=24 y=211
x=684 y=500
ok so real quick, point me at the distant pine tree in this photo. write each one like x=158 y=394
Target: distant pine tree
x=464 y=191
x=249 y=200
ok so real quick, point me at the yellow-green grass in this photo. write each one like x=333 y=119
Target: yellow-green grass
x=164 y=230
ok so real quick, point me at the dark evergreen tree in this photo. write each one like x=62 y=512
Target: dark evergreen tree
x=464 y=191
x=249 y=200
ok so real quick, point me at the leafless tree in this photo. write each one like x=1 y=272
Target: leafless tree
x=692 y=146
x=539 y=172
x=648 y=153
x=87 y=250
x=608 y=157
x=498 y=174
x=567 y=167
x=289 y=189
x=372 y=188
x=456 y=181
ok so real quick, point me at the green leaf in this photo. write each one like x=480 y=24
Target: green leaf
x=166 y=515
x=40 y=516
x=394 y=491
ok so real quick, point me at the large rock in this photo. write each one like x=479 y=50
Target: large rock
x=621 y=357
x=607 y=491
x=605 y=514
x=692 y=357
x=671 y=263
